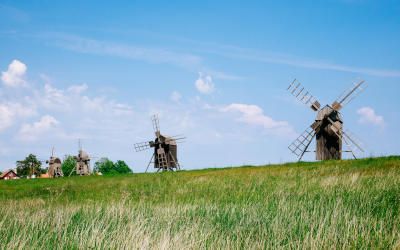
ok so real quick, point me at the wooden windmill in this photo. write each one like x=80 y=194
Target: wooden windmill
x=328 y=125
x=165 y=156
x=82 y=162
x=54 y=170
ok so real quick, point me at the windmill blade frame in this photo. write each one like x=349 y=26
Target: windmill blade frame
x=300 y=145
x=142 y=146
x=349 y=95
x=353 y=143
x=348 y=138
x=156 y=123
x=304 y=96
x=178 y=139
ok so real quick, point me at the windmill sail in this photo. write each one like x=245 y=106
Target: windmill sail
x=141 y=146
x=176 y=139
x=300 y=145
x=304 y=96
x=347 y=96
x=156 y=123
x=351 y=141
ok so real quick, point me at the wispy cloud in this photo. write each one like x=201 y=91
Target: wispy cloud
x=176 y=97
x=189 y=61
x=195 y=63
x=194 y=60
x=291 y=60
x=99 y=47
x=13 y=13
x=249 y=54
x=31 y=132
x=10 y=111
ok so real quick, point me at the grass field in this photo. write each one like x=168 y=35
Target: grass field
x=334 y=204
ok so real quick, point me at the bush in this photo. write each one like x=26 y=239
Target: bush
x=122 y=168
x=107 y=167
x=68 y=166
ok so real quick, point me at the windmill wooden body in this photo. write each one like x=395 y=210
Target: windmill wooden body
x=327 y=127
x=82 y=166
x=82 y=163
x=165 y=156
x=54 y=170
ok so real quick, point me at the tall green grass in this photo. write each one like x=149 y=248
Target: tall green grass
x=333 y=204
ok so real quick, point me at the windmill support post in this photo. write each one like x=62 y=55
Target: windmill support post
x=305 y=150
x=150 y=162
x=175 y=163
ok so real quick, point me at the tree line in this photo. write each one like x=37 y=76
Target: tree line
x=31 y=165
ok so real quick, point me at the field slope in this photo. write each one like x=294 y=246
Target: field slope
x=334 y=204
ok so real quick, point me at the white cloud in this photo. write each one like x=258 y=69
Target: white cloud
x=72 y=105
x=52 y=98
x=369 y=116
x=121 y=109
x=78 y=89
x=254 y=115
x=36 y=118
x=204 y=84
x=176 y=96
x=30 y=132
x=73 y=100
x=10 y=111
x=14 y=76
x=6 y=117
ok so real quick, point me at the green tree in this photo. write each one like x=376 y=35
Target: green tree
x=122 y=168
x=68 y=165
x=107 y=167
x=29 y=166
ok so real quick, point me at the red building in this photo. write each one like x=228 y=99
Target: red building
x=9 y=175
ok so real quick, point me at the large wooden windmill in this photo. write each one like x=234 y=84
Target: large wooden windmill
x=165 y=156
x=54 y=170
x=82 y=162
x=328 y=125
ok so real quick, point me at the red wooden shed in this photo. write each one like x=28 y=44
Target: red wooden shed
x=9 y=175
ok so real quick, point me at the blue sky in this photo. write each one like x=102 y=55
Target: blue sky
x=216 y=72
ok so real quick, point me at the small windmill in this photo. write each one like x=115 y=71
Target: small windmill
x=328 y=125
x=82 y=162
x=54 y=170
x=165 y=149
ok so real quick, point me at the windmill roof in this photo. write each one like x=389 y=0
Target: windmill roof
x=170 y=139
x=83 y=154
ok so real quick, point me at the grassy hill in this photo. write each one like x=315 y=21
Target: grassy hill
x=334 y=204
